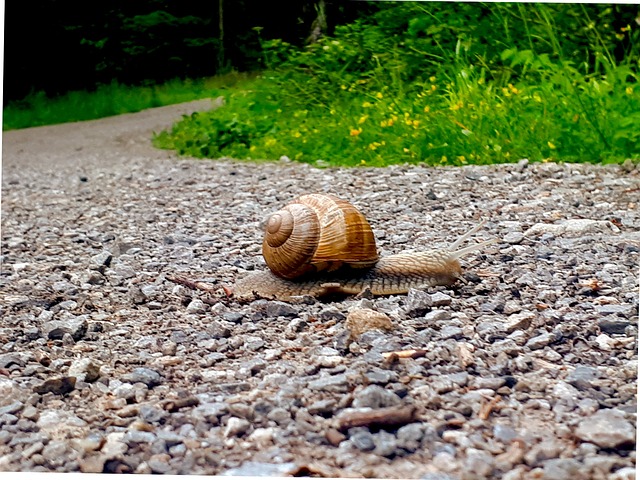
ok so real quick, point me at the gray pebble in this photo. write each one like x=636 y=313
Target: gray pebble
x=102 y=259
x=236 y=427
x=375 y=396
x=280 y=309
x=85 y=369
x=561 y=469
x=149 y=377
x=513 y=238
x=439 y=299
x=624 y=310
x=331 y=383
x=386 y=443
x=613 y=326
x=74 y=326
x=417 y=303
x=362 y=439
x=582 y=376
x=607 y=429
x=410 y=436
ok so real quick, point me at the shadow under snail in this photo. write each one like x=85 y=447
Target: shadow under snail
x=320 y=245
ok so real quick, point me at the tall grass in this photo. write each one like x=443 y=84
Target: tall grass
x=437 y=84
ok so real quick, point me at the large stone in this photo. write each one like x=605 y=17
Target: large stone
x=607 y=429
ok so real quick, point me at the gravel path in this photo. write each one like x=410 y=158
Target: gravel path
x=528 y=370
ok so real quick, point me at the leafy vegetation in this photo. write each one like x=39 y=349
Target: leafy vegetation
x=439 y=83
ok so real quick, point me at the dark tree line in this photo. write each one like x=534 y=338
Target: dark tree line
x=60 y=45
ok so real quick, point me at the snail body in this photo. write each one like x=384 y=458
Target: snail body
x=343 y=258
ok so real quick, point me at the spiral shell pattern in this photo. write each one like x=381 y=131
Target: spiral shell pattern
x=317 y=232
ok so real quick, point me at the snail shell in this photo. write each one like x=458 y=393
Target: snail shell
x=317 y=232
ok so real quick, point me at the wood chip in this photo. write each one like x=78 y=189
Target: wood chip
x=488 y=407
x=380 y=417
x=391 y=356
x=175 y=405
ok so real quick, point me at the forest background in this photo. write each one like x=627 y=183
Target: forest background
x=340 y=83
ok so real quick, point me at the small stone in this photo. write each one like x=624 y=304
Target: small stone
x=612 y=326
x=280 y=309
x=279 y=415
x=159 y=463
x=582 y=376
x=450 y=331
x=624 y=310
x=149 y=377
x=607 y=429
x=417 y=303
x=410 y=436
x=85 y=369
x=322 y=406
x=12 y=407
x=479 y=462
x=605 y=342
x=380 y=377
x=362 y=440
x=331 y=383
x=363 y=320
x=625 y=473
x=196 y=306
x=439 y=299
x=540 y=341
x=561 y=469
x=519 y=321
x=75 y=326
x=236 y=427
x=386 y=443
x=58 y=385
x=513 y=238
x=436 y=316
x=103 y=259
x=375 y=396
x=331 y=313
x=504 y=433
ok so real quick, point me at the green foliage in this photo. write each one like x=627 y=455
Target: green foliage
x=440 y=83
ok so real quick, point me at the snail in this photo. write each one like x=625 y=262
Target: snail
x=320 y=245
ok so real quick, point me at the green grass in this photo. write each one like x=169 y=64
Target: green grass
x=114 y=99
x=440 y=90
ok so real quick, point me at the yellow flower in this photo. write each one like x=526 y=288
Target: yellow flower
x=462 y=159
x=537 y=98
x=379 y=95
x=363 y=119
x=629 y=90
x=363 y=162
x=426 y=109
x=297 y=134
x=551 y=146
x=354 y=132
x=432 y=79
x=366 y=105
x=270 y=142
x=444 y=159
